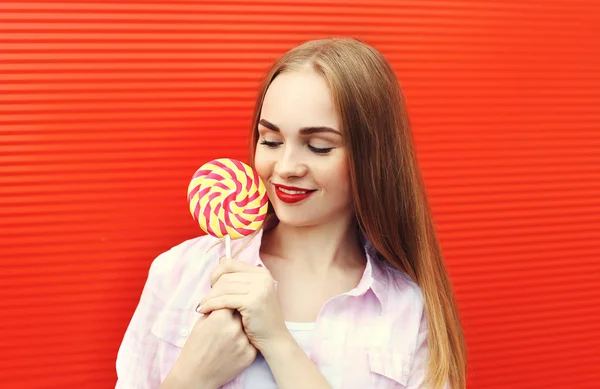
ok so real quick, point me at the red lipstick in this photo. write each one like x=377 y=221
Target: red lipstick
x=292 y=194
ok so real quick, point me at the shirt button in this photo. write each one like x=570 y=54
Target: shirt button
x=406 y=370
x=184 y=332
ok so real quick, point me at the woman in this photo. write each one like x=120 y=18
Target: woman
x=345 y=284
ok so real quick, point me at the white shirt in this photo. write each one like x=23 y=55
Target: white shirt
x=258 y=374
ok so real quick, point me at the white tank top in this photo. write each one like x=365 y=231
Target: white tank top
x=258 y=374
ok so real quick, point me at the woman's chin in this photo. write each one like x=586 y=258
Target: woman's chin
x=294 y=219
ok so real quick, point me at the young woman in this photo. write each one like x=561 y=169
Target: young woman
x=345 y=284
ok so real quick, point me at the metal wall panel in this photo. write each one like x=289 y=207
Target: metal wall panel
x=107 y=108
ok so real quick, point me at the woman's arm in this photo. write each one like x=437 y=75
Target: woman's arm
x=292 y=368
x=136 y=365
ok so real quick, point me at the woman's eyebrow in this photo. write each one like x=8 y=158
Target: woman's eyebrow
x=303 y=130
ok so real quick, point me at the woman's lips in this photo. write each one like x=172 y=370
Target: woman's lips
x=289 y=194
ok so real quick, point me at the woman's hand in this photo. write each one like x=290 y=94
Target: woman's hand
x=216 y=351
x=251 y=291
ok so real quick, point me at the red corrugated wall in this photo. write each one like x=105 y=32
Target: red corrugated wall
x=107 y=109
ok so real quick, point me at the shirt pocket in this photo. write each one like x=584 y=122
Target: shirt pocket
x=362 y=367
x=389 y=368
x=171 y=327
x=172 y=330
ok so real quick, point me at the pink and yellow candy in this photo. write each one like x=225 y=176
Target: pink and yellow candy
x=227 y=198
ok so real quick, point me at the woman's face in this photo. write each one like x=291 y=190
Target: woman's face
x=300 y=153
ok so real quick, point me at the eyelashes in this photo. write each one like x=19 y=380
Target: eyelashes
x=270 y=145
x=316 y=150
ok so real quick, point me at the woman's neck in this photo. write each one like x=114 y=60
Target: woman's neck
x=319 y=248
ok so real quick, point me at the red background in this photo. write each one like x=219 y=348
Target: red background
x=107 y=109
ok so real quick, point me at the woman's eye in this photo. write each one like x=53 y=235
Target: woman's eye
x=269 y=144
x=317 y=150
x=320 y=150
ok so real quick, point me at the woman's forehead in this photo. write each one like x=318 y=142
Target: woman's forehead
x=299 y=99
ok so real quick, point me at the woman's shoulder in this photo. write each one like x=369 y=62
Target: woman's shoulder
x=184 y=253
x=402 y=289
x=188 y=259
x=404 y=309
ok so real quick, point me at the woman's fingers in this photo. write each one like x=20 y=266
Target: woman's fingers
x=227 y=287
x=235 y=283
x=239 y=278
x=230 y=301
x=231 y=283
x=233 y=266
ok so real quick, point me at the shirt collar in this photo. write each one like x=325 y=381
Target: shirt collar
x=374 y=277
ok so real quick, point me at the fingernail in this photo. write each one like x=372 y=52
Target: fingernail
x=198 y=308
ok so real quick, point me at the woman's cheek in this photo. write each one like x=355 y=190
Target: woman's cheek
x=261 y=165
x=340 y=173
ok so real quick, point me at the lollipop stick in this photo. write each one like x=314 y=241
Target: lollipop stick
x=228 y=246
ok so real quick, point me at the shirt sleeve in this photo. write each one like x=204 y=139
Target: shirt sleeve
x=420 y=360
x=136 y=362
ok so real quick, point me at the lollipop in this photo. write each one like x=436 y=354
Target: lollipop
x=228 y=199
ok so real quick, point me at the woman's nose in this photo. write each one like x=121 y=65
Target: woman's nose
x=289 y=165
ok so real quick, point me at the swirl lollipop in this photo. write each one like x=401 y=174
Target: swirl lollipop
x=228 y=199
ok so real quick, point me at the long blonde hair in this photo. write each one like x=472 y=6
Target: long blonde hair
x=390 y=201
